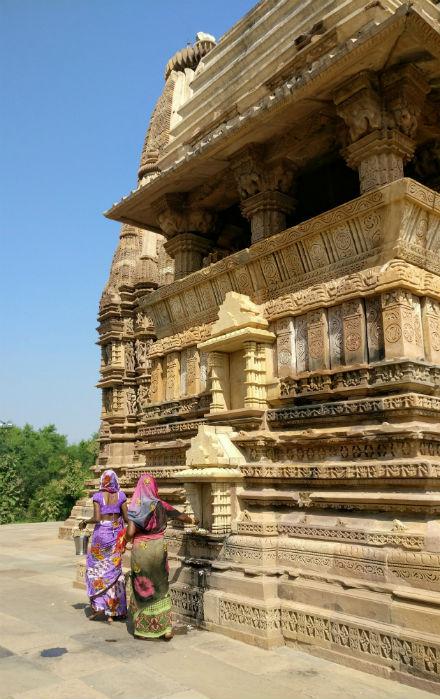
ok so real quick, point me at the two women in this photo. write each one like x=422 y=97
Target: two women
x=148 y=586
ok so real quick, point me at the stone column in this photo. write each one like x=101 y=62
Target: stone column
x=203 y=371
x=172 y=380
x=285 y=347
x=187 y=230
x=261 y=365
x=250 y=376
x=219 y=376
x=318 y=340
x=336 y=339
x=192 y=371
x=183 y=372
x=354 y=332
x=374 y=329
x=431 y=329
x=301 y=344
x=381 y=114
x=263 y=189
x=221 y=508
x=188 y=251
x=401 y=324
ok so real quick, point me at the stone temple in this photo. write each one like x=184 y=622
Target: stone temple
x=270 y=330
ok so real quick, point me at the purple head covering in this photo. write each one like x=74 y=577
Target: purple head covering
x=109 y=482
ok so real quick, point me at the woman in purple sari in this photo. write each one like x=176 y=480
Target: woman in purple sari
x=104 y=578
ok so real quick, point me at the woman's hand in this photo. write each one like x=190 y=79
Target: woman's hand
x=82 y=524
x=195 y=521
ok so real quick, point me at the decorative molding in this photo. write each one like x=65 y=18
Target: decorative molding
x=394 y=470
x=368 y=379
x=259 y=618
x=406 y=403
x=375 y=642
x=341 y=242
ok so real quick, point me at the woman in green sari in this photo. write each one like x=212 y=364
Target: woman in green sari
x=149 y=602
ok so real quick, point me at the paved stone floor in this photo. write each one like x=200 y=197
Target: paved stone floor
x=50 y=650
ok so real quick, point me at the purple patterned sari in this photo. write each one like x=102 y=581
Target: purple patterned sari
x=104 y=578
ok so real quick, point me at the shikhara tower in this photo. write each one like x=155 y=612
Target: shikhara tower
x=270 y=330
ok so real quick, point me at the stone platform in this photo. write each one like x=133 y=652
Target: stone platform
x=49 y=649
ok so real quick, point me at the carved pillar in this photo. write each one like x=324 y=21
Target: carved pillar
x=402 y=325
x=187 y=231
x=172 y=380
x=221 y=508
x=336 y=338
x=379 y=158
x=263 y=187
x=251 y=376
x=192 y=371
x=301 y=344
x=203 y=371
x=188 y=251
x=382 y=118
x=374 y=329
x=183 y=372
x=219 y=375
x=285 y=347
x=261 y=366
x=317 y=340
x=156 y=387
x=431 y=329
x=354 y=332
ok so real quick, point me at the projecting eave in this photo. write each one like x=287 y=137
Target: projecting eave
x=406 y=36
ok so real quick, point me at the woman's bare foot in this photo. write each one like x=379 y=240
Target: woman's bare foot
x=167 y=636
x=109 y=620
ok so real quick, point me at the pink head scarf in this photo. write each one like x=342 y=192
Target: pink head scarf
x=143 y=510
x=146 y=489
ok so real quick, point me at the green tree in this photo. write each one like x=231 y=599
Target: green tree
x=12 y=490
x=56 y=499
x=36 y=452
x=51 y=472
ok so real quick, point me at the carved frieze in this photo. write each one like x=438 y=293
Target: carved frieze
x=394 y=374
x=361 y=471
x=370 y=641
x=408 y=403
x=320 y=251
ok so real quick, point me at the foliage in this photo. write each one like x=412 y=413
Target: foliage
x=47 y=475
x=11 y=488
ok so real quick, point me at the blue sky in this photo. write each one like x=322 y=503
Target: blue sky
x=79 y=79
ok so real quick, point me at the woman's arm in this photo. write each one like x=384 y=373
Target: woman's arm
x=172 y=513
x=187 y=519
x=93 y=520
x=131 y=531
x=124 y=511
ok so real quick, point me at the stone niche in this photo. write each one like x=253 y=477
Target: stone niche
x=239 y=356
x=212 y=470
